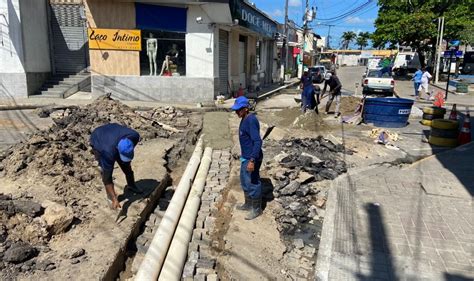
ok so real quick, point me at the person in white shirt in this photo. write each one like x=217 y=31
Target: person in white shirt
x=425 y=78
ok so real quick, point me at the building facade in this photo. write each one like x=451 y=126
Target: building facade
x=25 y=61
x=151 y=50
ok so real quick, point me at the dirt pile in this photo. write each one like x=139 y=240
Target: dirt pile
x=61 y=156
x=59 y=161
x=348 y=105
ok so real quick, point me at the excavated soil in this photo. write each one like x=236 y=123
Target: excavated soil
x=348 y=105
x=54 y=169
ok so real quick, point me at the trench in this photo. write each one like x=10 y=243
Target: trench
x=176 y=161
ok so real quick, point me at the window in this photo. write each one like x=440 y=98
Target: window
x=379 y=74
x=163 y=53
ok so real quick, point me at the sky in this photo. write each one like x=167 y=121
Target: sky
x=361 y=20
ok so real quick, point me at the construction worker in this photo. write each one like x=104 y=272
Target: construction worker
x=307 y=95
x=251 y=158
x=115 y=143
x=334 y=92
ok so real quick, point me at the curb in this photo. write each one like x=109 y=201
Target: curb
x=323 y=260
x=23 y=106
x=270 y=93
x=444 y=89
x=325 y=250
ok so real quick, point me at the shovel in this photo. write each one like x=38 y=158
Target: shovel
x=268 y=131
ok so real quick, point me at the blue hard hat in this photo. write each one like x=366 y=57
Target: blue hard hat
x=240 y=103
x=125 y=148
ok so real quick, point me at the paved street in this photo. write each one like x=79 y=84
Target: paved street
x=15 y=125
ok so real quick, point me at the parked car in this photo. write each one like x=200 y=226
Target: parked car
x=374 y=82
x=317 y=72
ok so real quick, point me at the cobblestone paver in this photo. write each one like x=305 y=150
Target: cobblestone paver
x=201 y=261
x=387 y=225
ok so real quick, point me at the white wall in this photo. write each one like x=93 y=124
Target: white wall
x=11 y=52
x=200 y=45
x=348 y=60
x=35 y=35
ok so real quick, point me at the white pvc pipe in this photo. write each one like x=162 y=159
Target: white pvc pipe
x=177 y=253
x=155 y=256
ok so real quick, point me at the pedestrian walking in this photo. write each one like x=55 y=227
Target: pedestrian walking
x=307 y=95
x=115 y=143
x=335 y=87
x=250 y=159
x=425 y=78
x=417 y=82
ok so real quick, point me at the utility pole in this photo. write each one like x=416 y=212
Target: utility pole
x=438 y=47
x=309 y=15
x=329 y=36
x=329 y=33
x=287 y=32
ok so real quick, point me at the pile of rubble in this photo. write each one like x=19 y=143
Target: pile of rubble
x=62 y=157
x=300 y=164
x=25 y=230
x=297 y=169
x=61 y=161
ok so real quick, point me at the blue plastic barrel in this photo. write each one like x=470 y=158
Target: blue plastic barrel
x=387 y=112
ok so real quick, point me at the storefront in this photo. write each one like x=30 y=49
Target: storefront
x=253 y=51
x=156 y=52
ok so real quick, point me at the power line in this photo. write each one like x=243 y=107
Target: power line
x=349 y=13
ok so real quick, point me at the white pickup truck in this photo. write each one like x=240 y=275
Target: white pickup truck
x=374 y=82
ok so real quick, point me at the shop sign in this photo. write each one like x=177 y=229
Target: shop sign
x=114 y=39
x=253 y=19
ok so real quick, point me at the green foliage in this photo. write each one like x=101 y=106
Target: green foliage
x=414 y=22
x=347 y=37
x=362 y=39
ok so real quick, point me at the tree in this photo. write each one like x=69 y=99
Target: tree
x=347 y=37
x=362 y=40
x=414 y=23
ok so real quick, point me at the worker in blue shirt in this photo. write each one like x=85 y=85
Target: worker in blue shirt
x=251 y=158
x=115 y=143
x=307 y=95
x=417 y=81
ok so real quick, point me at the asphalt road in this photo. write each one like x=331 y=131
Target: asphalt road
x=349 y=77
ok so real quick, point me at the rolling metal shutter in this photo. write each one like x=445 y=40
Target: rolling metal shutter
x=69 y=38
x=223 y=62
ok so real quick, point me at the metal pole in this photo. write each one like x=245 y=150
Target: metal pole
x=436 y=70
x=438 y=61
x=449 y=73
x=287 y=32
x=305 y=26
x=329 y=36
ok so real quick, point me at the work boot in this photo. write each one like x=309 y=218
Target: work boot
x=246 y=206
x=256 y=209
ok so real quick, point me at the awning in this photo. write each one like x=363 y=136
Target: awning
x=155 y=17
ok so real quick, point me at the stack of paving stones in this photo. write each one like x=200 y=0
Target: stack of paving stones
x=300 y=261
x=201 y=262
x=151 y=226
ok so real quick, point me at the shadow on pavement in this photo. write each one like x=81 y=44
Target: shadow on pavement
x=381 y=257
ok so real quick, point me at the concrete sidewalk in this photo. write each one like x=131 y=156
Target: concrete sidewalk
x=413 y=223
x=405 y=89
